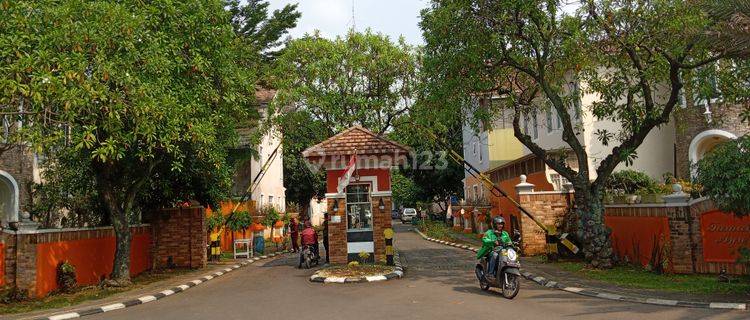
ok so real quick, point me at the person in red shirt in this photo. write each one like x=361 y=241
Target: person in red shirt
x=309 y=238
x=294 y=232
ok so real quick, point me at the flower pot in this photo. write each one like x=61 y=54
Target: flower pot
x=278 y=224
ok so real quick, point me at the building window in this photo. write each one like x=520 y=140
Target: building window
x=474 y=148
x=270 y=200
x=559 y=121
x=261 y=200
x=480 y=156
x=535 y=126
x=549 y=120
x=476 y=192
x=526 y=124
x=358 y=207
x=558 y=181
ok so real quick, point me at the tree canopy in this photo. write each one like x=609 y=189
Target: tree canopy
x=363 y=78
x=724 y=174
x=630 y=55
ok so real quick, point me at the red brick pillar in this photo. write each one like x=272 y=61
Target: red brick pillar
x=337 y=231
x=179 y=235
x=381 y=222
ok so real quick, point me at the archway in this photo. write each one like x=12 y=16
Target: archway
x=704 y=143
x=8 y=199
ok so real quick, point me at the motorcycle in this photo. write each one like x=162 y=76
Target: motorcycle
x=508 y=270
x=308 y=257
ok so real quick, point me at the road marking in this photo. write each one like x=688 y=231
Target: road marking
x=662 y=302
x=376 y=278
x=113 y=306
x=147 y=299
x=573 y=289
x=167 y=292
x=722 y=305
x=70 y=315
x=609 y=296
x=334 y=280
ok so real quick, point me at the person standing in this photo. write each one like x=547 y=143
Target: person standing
x=325 y=234
x=294 y=233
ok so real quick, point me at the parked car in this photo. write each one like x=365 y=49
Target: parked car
x=408 y=214
x=394 y=214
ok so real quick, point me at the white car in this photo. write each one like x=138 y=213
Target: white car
x=408 y=214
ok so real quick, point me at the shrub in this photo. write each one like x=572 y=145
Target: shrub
x=66 y=277
x=270 y=215
x=364 y=256
x=724 y=174
x=629 y=182
x=215 y=221
x=240 y=221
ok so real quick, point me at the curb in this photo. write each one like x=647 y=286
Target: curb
x=159 y=295
x=397 y=273
x=603 y=295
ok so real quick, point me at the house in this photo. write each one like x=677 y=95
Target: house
x=694 y=130
x=269 y=189
x=19 y=171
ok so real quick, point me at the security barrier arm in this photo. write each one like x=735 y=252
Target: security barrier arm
x=496 y=191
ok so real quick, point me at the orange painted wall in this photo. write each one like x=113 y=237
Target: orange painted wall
x=92 y=258
x=225 y=238
x=635 y=236
x=501 y=205
x=383 y=178
x=723 y=235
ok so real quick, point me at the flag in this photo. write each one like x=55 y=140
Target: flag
x=348 y=172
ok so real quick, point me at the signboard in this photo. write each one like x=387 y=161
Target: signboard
x=335 y=219
x=723 y=235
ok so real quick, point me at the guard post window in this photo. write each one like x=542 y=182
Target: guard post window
x=358 y=207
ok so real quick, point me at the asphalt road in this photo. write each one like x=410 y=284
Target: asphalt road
x=439 y=284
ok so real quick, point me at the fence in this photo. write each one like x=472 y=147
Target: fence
x=29 y=258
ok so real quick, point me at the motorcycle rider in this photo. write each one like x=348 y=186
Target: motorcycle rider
x=493 y=238
x=309 y=238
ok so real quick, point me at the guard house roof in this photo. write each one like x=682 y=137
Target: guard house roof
x=355 y=138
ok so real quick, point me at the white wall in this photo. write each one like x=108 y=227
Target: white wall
x=271 y=185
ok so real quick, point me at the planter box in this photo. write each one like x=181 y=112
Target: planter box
x=652 y=198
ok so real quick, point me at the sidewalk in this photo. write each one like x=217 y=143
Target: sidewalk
x=554 y=274
x=137 y=291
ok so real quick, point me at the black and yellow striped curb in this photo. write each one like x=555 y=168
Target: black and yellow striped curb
x=398 y=272
x=161 y=294
x=603 y=295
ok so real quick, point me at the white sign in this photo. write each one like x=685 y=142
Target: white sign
x=335 y=219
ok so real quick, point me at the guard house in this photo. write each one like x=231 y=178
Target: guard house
x=358 y=192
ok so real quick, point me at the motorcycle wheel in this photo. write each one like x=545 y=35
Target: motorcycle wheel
x=308 y=263
x=483 y=284
x=511 y=287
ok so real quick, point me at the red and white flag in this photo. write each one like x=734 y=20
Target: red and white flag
x=348 y=172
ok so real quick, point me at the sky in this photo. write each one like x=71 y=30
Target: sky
x=334 y=17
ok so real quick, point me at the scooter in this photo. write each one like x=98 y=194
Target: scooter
x=308 y=257
x=508 y=270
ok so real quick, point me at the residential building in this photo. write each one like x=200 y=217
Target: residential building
x=19 y=171
x=268 y=166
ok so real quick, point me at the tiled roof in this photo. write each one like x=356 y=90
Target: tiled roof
x=358 y=139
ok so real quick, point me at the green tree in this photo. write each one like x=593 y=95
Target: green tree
x=301 y=131
x=137 y=87
x=362 y=78
x=405 y=191
x=725 y=175
x=629 y=54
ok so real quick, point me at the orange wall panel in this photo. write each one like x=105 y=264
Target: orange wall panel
x=635 y=237
x=723 y=235
x=92 y=258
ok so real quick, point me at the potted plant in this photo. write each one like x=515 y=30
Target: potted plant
x=623 y=185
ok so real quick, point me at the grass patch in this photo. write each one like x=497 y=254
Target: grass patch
x=84 y=294
x=639 y=278
x=360 y=270
x=436 y=229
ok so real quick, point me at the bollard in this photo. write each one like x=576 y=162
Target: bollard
x=388 y=233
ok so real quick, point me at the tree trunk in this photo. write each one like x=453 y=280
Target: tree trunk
x=593 y=233
x=118 y=214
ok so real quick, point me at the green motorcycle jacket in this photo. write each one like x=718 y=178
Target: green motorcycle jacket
x=488 y=242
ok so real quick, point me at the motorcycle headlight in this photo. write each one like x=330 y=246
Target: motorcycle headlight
x=512 y=255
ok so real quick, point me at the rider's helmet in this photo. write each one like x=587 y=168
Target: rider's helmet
x=498 y=220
